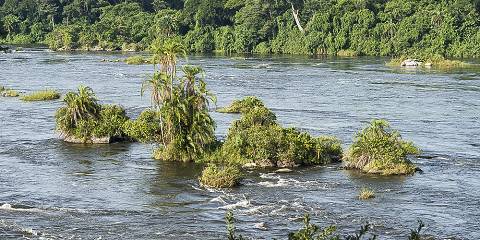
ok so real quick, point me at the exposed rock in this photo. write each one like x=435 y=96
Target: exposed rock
x=261 y=226
x=250 y=165
x=411 y=63
x=284 y=170
x=102 y=140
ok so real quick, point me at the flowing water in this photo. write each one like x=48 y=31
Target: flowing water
x=53 y=190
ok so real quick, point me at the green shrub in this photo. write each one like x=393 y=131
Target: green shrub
x=83 y=118
x=243 y=105
x=221 y=176
x=43 y=95
x=137 y=60
x=257 y=138
x=2 y=88
x=110 y=123
x=146 y=128
x=366 y=193
x=379 y=149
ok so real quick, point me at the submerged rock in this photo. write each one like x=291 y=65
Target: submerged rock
x=284 y=170
x=411 y=63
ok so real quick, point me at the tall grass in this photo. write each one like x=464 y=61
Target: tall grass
x=43 y=95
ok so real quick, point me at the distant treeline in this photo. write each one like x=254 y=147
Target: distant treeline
x=449 y=28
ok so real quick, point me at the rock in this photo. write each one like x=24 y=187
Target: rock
x=103 y=140
x=284 y=170
x=261 y=226
x=250 y=165
x=411 y=63
x=5 y=49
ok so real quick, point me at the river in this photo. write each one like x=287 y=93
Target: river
x=53 y=190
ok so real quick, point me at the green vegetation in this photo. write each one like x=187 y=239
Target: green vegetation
x=43 y=95
x=366 y=193
x=344 y=28
x=381 y=150
x=9 y=93
x=221 y=176
x=146 y=128
x=137 y=60
x=84 y=120
x=311 y=231
x=242 y=106
x=181 y=105
x=256 y=138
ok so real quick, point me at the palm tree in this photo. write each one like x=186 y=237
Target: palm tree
x=80 y=105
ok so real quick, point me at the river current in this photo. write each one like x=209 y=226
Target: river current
x=53 y=190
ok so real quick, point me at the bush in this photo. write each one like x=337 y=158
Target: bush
x=43 y=95
x=366 y=193
x=379 y=149
x=84 y=119
x=243 y=105
x=257 y=138
x=146 y=128
x=137 y=60
x=221 y=176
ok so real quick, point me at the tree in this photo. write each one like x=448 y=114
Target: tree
x=9 y=23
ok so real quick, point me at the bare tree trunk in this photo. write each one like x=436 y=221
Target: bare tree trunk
x=297 y=19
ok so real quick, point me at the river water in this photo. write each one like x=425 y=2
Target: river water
x=53 y=190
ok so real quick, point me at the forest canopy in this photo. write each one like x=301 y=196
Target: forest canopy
x=448 y=28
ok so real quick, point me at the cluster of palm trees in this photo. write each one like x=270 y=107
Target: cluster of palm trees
x=81 y=105
x=181 y=104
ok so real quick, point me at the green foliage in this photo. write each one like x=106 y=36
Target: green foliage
x=257 y=138
x=216 y=176
x=230 y=220
x=311 y=231
x=186 y=128
x=242 y=106
x=379 y=149
x=366 y=193
x=44 y=95
x=146 y=128
x=344 y=28
x=415 y=233
x=83 y=118
x=137 y=60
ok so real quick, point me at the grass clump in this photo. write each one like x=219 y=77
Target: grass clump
x=366 y=193
x=43 y=95
x=243 y=105
x=257 y=139
x=83 y=119
x=379 y=149
x=215 y=176
x=137 y=60
x=8 y=92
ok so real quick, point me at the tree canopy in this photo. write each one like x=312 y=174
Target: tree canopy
x=448 y=28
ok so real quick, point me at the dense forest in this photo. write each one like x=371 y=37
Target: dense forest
x=448 y=28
